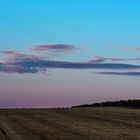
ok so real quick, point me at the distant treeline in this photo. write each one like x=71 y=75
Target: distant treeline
x=125 y=103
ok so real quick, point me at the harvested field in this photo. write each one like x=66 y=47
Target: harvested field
x=91 y=123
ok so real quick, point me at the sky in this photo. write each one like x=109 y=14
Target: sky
x=59 y=53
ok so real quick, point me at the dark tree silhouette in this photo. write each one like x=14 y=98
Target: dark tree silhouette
x=123 y=103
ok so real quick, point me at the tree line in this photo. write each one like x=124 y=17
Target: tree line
x=123 y=103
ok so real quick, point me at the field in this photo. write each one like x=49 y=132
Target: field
x=92 y=123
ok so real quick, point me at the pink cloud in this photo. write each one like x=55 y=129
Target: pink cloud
x=13 y=52
x=16 y=54
x=102 y=59
x=31 y=63
x=2 y=62
x=130 y=48
x=53 y=47
x=29 y=56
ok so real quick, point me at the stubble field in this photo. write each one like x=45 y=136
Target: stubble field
x=91 y=123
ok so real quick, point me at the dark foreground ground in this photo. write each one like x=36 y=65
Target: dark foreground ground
x=93 y=123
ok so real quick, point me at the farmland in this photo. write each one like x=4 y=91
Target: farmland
x=89 y=123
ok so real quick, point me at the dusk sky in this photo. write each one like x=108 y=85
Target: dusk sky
x=56 y=53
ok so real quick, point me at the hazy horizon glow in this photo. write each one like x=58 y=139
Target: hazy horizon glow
x=62 y=53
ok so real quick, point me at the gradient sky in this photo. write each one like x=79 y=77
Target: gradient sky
x=56 y=53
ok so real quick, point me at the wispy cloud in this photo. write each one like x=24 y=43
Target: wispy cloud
x=120 y=73
x=103 y=59
x=96 y=60
x=14 y=53
x=57 y=47
x=31 y=65
x=54 y=49
x=137 y=49
x=131 y=48
x=14 y=68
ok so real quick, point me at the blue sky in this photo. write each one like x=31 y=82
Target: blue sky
x=98 y=25
x=105 y=28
